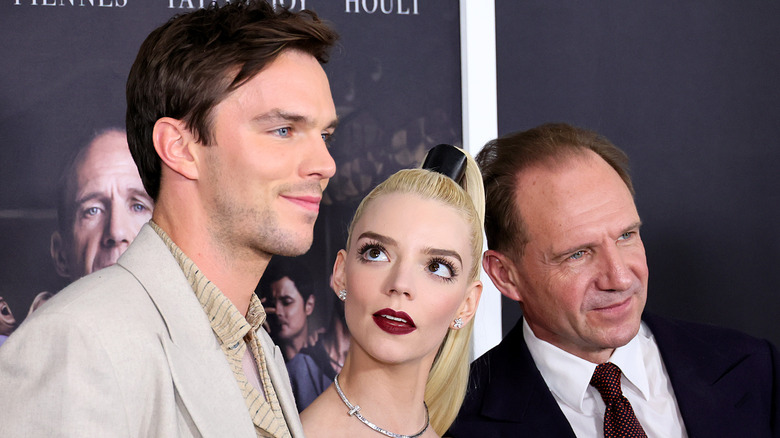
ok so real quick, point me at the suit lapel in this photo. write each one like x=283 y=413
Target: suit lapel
x=200 y=372
x=209 y=392
x=700 y=376
x=529 y=401
x=277 y=371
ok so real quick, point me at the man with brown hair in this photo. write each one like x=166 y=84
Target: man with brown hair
x=228 y=115
x=563 y=239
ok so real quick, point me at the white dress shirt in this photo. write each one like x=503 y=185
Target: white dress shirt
x=645 y=383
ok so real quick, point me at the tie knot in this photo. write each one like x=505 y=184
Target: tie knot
x=606 y=379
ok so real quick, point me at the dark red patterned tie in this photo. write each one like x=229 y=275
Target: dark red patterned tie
x=619 y=418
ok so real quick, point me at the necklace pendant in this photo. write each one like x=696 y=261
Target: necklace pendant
x=354 y=410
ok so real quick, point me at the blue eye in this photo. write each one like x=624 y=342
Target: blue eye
x=577 y=255
x=138 y=208
x=92 y=211
x=626 y=235
x=283 y=132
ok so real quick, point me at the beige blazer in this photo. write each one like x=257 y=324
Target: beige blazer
x=128 y=352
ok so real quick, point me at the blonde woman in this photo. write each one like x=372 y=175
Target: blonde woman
x=409 y=279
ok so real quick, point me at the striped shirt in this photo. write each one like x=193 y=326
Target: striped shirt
x=236 y=334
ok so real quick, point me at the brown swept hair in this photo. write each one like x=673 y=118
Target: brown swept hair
x=187 y=66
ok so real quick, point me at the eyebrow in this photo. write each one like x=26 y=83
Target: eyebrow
x=380 y=237
x=635 y=225
x=427 y=250
x=138 y=193
x=568 y=251
x=278 y=115
x=444 y=252
x=100 y=196
x=90 y=197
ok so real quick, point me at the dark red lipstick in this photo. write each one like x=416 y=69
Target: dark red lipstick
x=395 y=323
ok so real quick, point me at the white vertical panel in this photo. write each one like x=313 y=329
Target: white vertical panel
x=480 y=124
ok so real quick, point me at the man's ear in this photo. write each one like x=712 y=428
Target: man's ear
x=339 y=278
x=174 y=144
x=503 y=271
x=58 y=255
x=308 y=306
x=469 y=305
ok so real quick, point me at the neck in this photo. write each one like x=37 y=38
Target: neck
x=234 y=273
x=594 y=355
x=294 y=345
x=390 y=396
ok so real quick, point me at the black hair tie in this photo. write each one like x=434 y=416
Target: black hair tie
x=447 y=160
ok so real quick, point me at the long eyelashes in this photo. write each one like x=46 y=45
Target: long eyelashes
x=372 y=251
x=452 y=270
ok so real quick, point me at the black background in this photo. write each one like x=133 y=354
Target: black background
x=690 y=91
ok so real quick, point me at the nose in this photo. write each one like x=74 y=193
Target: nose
x=400 y=280
x=118 y=229
x=615 y=274
x=318 y=162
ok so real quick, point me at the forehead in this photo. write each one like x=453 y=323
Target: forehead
x=294 y=80
x=411 y=219
x=108 y=154
x=284 y=286
x=580 y=191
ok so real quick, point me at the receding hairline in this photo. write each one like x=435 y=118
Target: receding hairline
x=564 y=158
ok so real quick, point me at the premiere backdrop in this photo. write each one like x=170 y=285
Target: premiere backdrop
x=395 y=78
x=690 y=91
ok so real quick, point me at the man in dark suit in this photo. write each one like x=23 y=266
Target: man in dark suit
x=563 y=238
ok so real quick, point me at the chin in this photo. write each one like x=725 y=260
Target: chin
x=621 y=336
x=293 y=246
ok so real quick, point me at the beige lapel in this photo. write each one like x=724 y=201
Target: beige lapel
x=201 y=375
x=281 y=381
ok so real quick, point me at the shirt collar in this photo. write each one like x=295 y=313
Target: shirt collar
x=228 y=323
x=630 y=358
x=568 y=376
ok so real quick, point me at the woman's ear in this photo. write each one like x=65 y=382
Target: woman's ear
x=339 y=279
x=469 y=305
x=175 y=144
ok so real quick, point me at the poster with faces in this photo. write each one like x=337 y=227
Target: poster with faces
x=71 y=200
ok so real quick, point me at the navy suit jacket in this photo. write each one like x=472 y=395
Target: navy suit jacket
x=727 y=384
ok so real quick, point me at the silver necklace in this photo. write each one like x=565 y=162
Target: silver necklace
x=355 y=410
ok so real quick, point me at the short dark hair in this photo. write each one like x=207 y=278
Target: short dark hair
x=187 y=66
x=502 y=160
x=280 y=267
